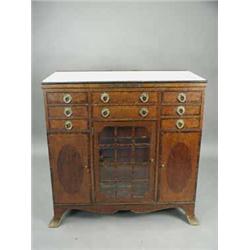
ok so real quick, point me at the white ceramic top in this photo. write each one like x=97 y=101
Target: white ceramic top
x=122 y=76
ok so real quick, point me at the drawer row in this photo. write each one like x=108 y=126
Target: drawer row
x=70 y=111
x=124 y=97
x=123 y=112
x=79 y=124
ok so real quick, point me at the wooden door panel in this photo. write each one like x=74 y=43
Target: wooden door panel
x=178 y=168
x=124 y=163
x=69 y=162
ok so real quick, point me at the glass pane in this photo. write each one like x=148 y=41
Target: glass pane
x=140 y=172
x=124 y=154
x=142 y=154
x=109 y=189
x=139 y=189
x=142 y=140
x=141 y=135
x=107 y=136
x=124 y=131
x=107 y=140
x=124 y=135
x=106 y=155
x=108 y=132
x=124 y=140
x=140 y=131
x=107 y=172
x=123 y=189
x=124 y=172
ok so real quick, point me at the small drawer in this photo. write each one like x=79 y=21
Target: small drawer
x=179 y=124
x=67 y=98
x=68 y=125
x=124 y=112
x=182 y=97
x=106 y=97
x=68 y=112
x=180 y=110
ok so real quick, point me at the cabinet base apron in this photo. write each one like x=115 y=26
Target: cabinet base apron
x=60 y=211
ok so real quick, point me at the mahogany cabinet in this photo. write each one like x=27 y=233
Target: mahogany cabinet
x=124 y=140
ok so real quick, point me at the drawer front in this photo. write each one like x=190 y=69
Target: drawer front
x=67 y=98
x=124 y=112
x=68 y=112
x=107 y=97
x=182 y=97
x=68 y=125
x=180 y=110
x=180 y=124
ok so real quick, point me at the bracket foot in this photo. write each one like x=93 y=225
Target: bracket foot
x=58 y=216
x=192 y=220
x=55 y=222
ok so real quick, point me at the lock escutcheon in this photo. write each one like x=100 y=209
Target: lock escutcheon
x=180 y=124
x=105 y=112
x=182 y=97
x=143 y=112
x=67 y=98
x=144 y=97
x=180 y=110
x=105 y=97
x=68 y=125
x=67 y=111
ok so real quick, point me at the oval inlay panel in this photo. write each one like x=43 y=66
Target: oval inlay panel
x=179 y=167
x=70 y=169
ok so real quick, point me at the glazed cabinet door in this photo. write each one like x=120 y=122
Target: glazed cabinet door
x=178 y=166
x=70 y=168
x=124 y=154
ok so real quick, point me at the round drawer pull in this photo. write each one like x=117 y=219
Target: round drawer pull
x=67 y=98
x=68 y=112
x=144 y=97
x=143 y=112
x=180 y=124
x=182 y=97
x=105 y=112
x=68 y=125
x=180 y=110
x=105 y=97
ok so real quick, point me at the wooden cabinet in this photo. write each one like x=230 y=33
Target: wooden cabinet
x=124 y=140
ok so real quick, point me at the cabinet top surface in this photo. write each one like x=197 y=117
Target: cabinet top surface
x=122 y=76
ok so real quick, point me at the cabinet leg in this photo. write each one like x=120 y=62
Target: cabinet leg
x=57 y=218
x=190 y=215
